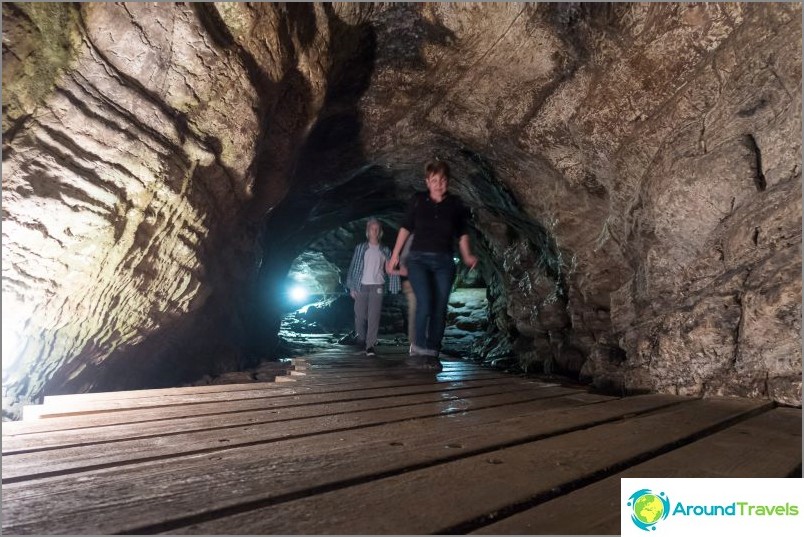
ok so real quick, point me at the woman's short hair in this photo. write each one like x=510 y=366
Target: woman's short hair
x=436 y=167
x=374 y=221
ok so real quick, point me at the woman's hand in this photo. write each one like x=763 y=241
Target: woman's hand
x=466 y=252
x=353 y=293
x=390 y=266
x=401 y=271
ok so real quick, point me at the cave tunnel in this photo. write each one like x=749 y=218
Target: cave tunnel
x=184 y=184
x=153 y=206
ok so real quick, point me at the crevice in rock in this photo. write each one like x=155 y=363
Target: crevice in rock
x=617 y=354
x=17 y=126
x=754 y=108
x=702 y=142
x=759 y=177
x=738 y=333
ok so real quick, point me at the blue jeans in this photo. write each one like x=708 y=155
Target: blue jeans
x=431 y=275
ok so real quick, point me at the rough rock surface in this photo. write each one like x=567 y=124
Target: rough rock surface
x=633 y=169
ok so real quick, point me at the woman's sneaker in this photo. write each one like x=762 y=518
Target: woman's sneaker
x=370 y=351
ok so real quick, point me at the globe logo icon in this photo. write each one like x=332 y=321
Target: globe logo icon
x=648 y=508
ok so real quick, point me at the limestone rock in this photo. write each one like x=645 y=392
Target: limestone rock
x=633 y=172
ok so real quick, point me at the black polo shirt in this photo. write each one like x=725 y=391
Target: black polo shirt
x=435 y=225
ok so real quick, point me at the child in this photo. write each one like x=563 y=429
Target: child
x=367 y=282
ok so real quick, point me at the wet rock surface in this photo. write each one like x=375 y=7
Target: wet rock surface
x=633 y=172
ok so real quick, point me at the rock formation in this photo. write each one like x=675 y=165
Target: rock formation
x=634 y=172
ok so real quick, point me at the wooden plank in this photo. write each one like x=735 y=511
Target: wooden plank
x=86 y=435
x=133 y=394
x=301 y=396
x=420 y=377
x=330 y=380
x=380 y=363
x=66 y=408
x=155 y=496
x=130 y=451
x=283 y=380
x=322 y=358
x=394 y=373
x=75 y=437
x=739 y=451
x=413 y=378
x=190 y=390
x=410 y=376
x=313 y=377
x=390 y=364
x=406 y=371
x=193 y=390
x=440 y=499
x=365 y=372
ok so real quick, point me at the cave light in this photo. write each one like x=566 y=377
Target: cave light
x=299 y=293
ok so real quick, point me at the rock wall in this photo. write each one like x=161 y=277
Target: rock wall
x=655 y=151
x=135 y=174
x=634 y=172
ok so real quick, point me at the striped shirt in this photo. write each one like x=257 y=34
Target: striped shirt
x=355 y=274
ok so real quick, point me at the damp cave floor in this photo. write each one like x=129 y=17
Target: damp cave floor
x=349 y=444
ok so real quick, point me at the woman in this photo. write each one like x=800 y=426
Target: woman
x=407 y=289
x=437 y=218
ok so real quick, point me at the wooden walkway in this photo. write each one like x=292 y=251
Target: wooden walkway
x=357 y=445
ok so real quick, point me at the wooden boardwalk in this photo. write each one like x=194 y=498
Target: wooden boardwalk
x=357 y=445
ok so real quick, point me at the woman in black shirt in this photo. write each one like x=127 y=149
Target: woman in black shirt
x=437 y=218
